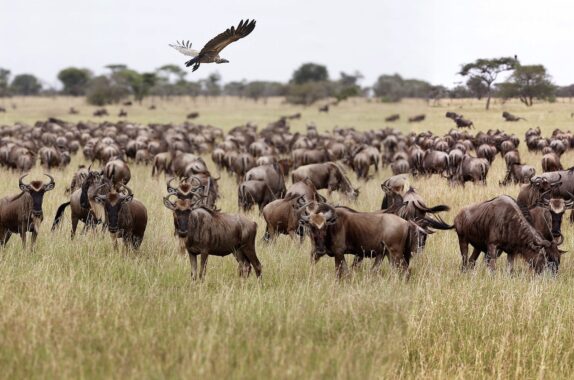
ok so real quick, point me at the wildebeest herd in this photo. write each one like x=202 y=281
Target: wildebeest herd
x=264 y=161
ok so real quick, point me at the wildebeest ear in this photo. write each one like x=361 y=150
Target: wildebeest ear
x=127 y=198
x=49 y=186
x=24 y=188
x=99 y=199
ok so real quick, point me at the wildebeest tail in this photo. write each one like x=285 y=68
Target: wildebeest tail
x=59 y=215
x=432 y=210
x=437 y=224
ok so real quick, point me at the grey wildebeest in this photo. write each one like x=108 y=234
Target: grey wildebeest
x=499 y=225
x=336 y=231
x=470 y=169
x=210 y=232
x=23 y=213
x=126 y=217
x=327 y=175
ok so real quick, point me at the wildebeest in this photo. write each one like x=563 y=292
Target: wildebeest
x=417 y=118
x=126 y=217
x=393 y=117
x=117 y=172
x=272 y=175
x=551 y=163
x=251 y=193
x=324 y=108
x=211 y=232
x=23 y=213
x=336 y=231
x=470 y=169
x=499 y=225
x=327 y=175
x=411 y=206
x=510 y=117
x=192 y=115
x=122 y=113
x=518 y=173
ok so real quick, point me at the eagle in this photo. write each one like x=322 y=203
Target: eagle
x=211 y=50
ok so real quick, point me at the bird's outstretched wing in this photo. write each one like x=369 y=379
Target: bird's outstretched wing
x=184 y=47
x=218 y=43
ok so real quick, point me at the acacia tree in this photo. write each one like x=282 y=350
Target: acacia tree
x=528 y=83
x=4 y=81
x=25 y=84
x=75 y=80
x=487 y=71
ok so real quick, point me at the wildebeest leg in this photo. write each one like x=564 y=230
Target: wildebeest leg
x=193 y=262
x=491 y=257
x=5 y=234
x=34 y=237
x=510 y=259
x=472 y=261
x=357 y=261
x=378 y=261
x=269 y=234
x=75 y=220
x=341 y=265
x=243 y=265
x=251 y=255
x=572 y=217
x=463 y=245
x=23 y=236
x=204 y=257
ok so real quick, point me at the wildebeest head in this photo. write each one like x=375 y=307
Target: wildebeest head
x=37 y=189
x=557 y=207
x=318 y=217
x=186 y=189
x=181 y=210
x=112 y=203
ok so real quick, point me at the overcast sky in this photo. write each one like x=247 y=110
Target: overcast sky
x=416 y=38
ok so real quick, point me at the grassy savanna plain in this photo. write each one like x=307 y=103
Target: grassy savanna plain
x=77 y=309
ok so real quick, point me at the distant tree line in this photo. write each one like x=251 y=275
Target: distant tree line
x=309 y=83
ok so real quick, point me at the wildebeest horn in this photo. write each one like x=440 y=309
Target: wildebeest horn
x=21 y=183
x=50 y=185
x=330 y=216
x=167 y=203
x=130 y=192
x=559 y=239
x=171 y=189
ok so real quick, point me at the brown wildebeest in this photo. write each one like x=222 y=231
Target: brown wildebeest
x=272 y=175
x=211 y=232
x=336 y=231
x=470 y=169
x=463 y=123
x=126 y=217
x=412 y=207
x=250 y=193
x=487 y=152
x=551 y=163
x=192 y=115
x=117 y=172
x=434 y=161
x=510 y=117
x=417 y=118
x=400 y=166
x=324 y=108
x=547 y=217
x=241 y=165
x=327 y=175
x=499 y=225
x=161 y=164
x=23 y=213
x=122 y=113
x=393 y=117
x=518 y=173
x=281 y=217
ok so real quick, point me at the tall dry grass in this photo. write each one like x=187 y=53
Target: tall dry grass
x=77 y=309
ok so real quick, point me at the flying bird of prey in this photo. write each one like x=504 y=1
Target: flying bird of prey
x=211 y=50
